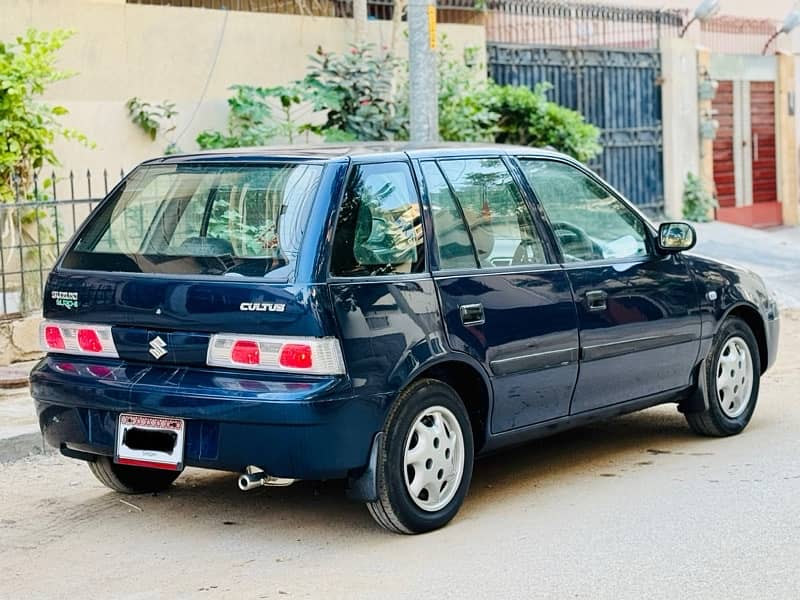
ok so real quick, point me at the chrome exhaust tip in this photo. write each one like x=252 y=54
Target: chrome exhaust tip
x=252 y=480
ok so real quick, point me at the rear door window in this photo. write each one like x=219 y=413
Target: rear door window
x=379 y=228
x=212 y=220
x=453 y=242
x=498 y=220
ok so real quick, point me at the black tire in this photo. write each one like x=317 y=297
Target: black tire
x=395 y=509
x=713 y=421
x=131 y=480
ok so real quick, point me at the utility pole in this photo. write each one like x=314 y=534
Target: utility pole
x=360 y=21
x=423 y=95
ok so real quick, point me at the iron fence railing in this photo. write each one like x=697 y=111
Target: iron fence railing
x=736 y=35
x=448 y=11
x=572 y=23
x=35 y=229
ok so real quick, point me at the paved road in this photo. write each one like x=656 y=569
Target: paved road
x=774 y=254
x=636 y=507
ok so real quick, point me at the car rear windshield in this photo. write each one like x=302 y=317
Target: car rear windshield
x=245 y=220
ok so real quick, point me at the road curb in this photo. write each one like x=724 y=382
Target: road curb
x=21 y=446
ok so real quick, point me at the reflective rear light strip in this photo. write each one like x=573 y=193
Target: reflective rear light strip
x=48 y=339
x=326 y=354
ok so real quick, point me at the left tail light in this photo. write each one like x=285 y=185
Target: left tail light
x=77 y=338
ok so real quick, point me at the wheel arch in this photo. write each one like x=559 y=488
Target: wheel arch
x=750 y=315
x=471 y=382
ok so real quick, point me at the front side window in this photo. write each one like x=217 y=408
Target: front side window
x=379 y=229
x=589 y=223
x=193 y=219
x=499 y=222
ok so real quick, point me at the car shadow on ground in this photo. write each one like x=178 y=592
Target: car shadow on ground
x=606 y=447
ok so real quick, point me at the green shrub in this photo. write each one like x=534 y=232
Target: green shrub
x=464 y=115
x=28 y=126
x=154 y=120
x=697 y=201
x=355 y=90
x=527 y=118
x=250 y=120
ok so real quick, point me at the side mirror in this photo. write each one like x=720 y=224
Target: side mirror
x=676 y=237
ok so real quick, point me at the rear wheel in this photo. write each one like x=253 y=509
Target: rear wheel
x=733 y=371
x=131 y=480
x=425 y=464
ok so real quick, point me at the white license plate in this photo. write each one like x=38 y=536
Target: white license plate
x=154 y=442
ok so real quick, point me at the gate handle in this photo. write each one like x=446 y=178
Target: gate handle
x=755 y=146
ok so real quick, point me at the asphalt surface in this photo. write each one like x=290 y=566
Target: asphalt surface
x=636 y=507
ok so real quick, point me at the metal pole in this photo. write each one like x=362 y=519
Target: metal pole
x=423 y=95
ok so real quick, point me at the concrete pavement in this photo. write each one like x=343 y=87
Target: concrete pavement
x=631 y=508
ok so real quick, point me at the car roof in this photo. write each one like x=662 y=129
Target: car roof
x=330 y=152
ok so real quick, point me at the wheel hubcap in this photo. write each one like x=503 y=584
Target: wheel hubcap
x=734 y=377
x=434 y=458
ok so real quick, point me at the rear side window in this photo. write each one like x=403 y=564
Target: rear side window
x=212 y=220
x=379 y=229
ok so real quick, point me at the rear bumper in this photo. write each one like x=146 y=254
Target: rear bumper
x=303 y=428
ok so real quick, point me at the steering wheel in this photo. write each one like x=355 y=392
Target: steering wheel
x=576 y=245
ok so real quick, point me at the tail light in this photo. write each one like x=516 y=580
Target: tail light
x=77 y=338
x=317 y=356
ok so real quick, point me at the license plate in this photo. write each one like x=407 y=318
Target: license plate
x=154 y=442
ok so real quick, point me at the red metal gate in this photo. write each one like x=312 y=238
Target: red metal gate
x=747 y=194
x=724 y=170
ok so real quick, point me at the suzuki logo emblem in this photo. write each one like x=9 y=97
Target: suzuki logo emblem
x=157 y=347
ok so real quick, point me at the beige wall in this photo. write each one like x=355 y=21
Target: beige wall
x=123 y=50
x=680 y=120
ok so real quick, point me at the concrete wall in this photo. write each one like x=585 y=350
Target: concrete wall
x=680 y=120
x=19 y=340
x=124 y=50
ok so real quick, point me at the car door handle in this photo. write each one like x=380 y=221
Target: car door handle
x=596 y=300
x=471 y=314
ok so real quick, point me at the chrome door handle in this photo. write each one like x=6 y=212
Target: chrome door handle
x=471 y=314
x=596 y=300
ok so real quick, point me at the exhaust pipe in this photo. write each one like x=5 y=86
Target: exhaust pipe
x=251 y=481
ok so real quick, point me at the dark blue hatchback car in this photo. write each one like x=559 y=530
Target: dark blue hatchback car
x=382 y=314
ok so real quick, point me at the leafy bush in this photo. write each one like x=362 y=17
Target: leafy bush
x=29 y=127
x=355 y=88
x=154 y=119
x=528 y=118
x=28 y=130
x=463 y=112
x=697 y=201
x=250 y=121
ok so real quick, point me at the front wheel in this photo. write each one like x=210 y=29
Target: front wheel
x=733 y=371
x=131 y=480
x=425 y=463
